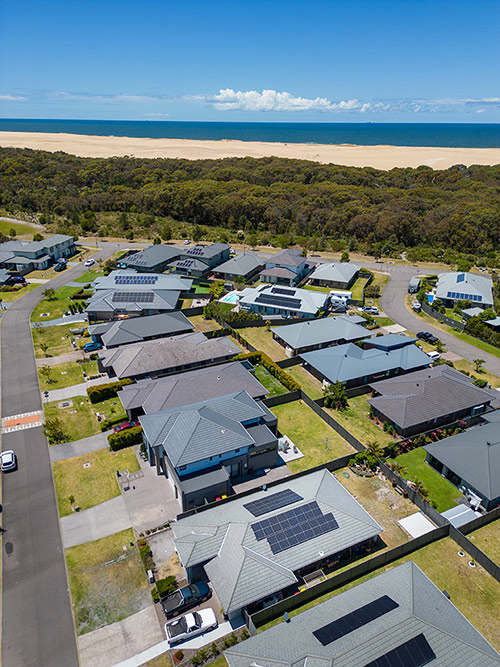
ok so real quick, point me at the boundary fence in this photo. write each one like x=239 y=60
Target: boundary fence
x=442 y=318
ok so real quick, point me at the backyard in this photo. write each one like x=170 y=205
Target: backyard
x=57 y=339
x=79 y=416
x=441 y=492
x=316 y=440
x=65 y=375
x=487 y=539
x=273 y=386
x=202 y=324
x=357 y=289
x=90 y=478
x=263 y=340
x=54 y=307
x=107 y=581
x=309 y=384
x=355 y=420
x=472 y=590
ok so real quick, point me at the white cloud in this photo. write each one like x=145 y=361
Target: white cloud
x=7 y=97
x=91 y=97
x=272 y=100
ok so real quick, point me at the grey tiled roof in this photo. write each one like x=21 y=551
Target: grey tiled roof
x=339 y=272
x=158 y=355
x=243 y=569
x=204 y=251
x=184 y=388
x=241 y=265
x=323 y=330
x=152 y=256
x=194 y=264
x=474 y=455
x=349 y=362
x=468 y=284
x=428 y=394
x=287 y=257
x=278 y=272
x=422 y=609
x=136 y=329
x=102 y=301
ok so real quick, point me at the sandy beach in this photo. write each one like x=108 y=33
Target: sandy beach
x=380 y=157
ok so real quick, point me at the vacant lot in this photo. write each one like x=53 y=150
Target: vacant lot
x=107 y=581
x=487 y=539
x=57 y=339
x=19 y=227
x=472 y=590
x=355 y=419
x=91 y=478
x=202 y=324
x=263 y=340
x=316 y=440
x=273 y=386
x=309 y=384
x=62 y=375
x=79 y=418
x=441 y=492
x=56 y=306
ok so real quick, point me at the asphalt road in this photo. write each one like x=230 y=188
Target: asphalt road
x=37 y=621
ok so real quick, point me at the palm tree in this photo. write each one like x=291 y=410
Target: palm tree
x=420 y=488
x=375 y=449
x=397 y=468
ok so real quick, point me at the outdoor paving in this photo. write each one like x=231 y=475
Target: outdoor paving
x=61 y=359
x=78 y=317
x=280 y=472
x=451 y=356
x=115 y=643
x=68 y=450
x=100 y=521
x=74 y=390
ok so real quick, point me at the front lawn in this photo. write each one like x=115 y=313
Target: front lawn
x=464 y=365
x=316 y=440
x=442 y=492
x=79 y=418
x=487 y=539
x=19 y=227
x=9 y=296
x=57 y=338
x=88 y=277
x=91 y=478
x=55 y=307
x=355 y=420
x=384 y=321
x=107 y=581
x=62 y=375
x=273 y=386
x=357 y=288
x=263 y=341
x=309 y=384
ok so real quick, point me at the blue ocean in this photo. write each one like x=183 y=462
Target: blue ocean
x=460 y=135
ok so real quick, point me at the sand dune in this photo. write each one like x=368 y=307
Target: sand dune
x=380 y=157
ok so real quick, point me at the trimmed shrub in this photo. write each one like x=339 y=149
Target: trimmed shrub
x=261 y=358
x=146 y=557
x=102 y=392
x=132 y=436
x=155 y=595
x=166 y=586
x=112 y=421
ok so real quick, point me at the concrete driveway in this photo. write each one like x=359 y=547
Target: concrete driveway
x=68 y=450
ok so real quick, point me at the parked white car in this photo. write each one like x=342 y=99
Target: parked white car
x=190 y=625
x=8 y=460
x=434 y=355
x=89 y=262
x=416 y=306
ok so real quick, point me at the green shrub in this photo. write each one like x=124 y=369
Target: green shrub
x=112 y=421
x=479 y=382
x=166 y=586
x=102 y=392
x=146 y=557
x=273 y=368
x=155 y=595
x=132 y=436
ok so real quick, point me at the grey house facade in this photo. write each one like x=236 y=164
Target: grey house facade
x=354 y=367
x=139 y=329
x=317 y=334
x=471 y=461
x=25 y=256
x=257 y=548
x=147 y=396
x=396 y=619
x=287 y=267
x=201 y=447
x=428 y=399
x=341 y=275
x=242 y=268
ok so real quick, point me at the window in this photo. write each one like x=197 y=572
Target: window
x=236 y=451
x=182 y=468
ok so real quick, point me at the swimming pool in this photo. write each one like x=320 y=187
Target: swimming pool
x=232 y=297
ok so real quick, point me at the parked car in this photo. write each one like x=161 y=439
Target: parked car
x=185 y=598
x=92 y=347
x=427 y=337
x=89 y=262
x=371 y=310
x=187 y=241
x=60 y=266
x=190 y=625
x=8 y=460
x=416 y=306
x=124 y=426
x=78 y=332
x=18 y=279
x=434 y=355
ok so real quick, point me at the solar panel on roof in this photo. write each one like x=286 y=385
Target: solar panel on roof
x=281 y=302
x=294 y=527
x=280 y=290
x=354 y=620
x=132 y=297
x=460 y=277
x=416 y=652
x=272 y=502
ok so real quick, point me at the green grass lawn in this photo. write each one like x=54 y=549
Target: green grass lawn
x=473 y=591
x=21 y=229
x=201 y=289
x=464 y=365
x=273 y=386
x=55 y=307
x=316 y=440
x=62 y=375
x=58 y=339
x=263 y=340
x=317 y=288
x=355 y=420
x=202 y=324
x=309 y=384
x=442 y=492
x=107 y=583
x=79 y=419
x=88 y=277
x=91 y=485
x=487 y=539
x=14 y=296
x=357 y=288
x=384 y=321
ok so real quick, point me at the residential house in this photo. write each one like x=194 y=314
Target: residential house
x=213 y=254
x=25 y=256
x=256 y=549
x=138 y=329
x=317 y=334
x=340 y=275
x=428 y=399
x=242 y=268
x=281 y=301
x=471 y=461
x=191 y=267
x=154 y=259
x=399 y=618
x=459 y=286
x=287 y=267
x=165 y=356
x=147 y=396
x=389 y=342
x=132 y=281
x=354 y=367
x=201 y=447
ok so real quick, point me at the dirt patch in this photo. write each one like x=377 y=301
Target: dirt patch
x=172 y=568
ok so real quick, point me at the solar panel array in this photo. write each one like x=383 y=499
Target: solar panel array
x=281 y=290
x=354 y=620
x=133 y=297
x=416 y=652
x=185 y=263
x=279 y=301
x=136 y=259
x=273 y=502
x=197 y=250
x=460 y=277
x=296 y=526
x=135 y=280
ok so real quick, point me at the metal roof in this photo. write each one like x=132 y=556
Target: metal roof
x=474 y=456
x=323 y=330
x=243 y=569
x=428 y=394
x=111 y=300
x=189 y=387
x=421 y=609
x=189 y=264
x=279 y=272
x=339 y=272
x=349 y=362
x=136 y=329
x=241 y=265
x=459 y=285
x=390 y=341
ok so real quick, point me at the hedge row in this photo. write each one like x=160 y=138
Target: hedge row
x=108 y=423
x=132 y=436
x=101 y=392
x=273 y=368
x=166 y=586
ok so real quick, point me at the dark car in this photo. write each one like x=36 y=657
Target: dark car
x=125 y=426
x=427 y=337
x=185 y=598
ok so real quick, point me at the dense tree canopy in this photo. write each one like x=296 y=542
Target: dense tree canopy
x=457 y=208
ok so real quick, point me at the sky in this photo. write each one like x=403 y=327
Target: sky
x=251 y=60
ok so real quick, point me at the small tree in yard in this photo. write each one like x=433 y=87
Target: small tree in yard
x=71 y=500
x=268 y=325
x=478 y=365
x=44 y=347
x=420 y=488
x=46 y=371
x=49 y=294
x=54 y=430
x=375 y=449
x=336 y=397
x=345 y=257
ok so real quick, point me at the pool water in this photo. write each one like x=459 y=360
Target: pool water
x=232 y=297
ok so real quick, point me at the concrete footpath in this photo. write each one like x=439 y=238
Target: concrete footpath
x=75 y=390
x=68 y=450
x=100 y=521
